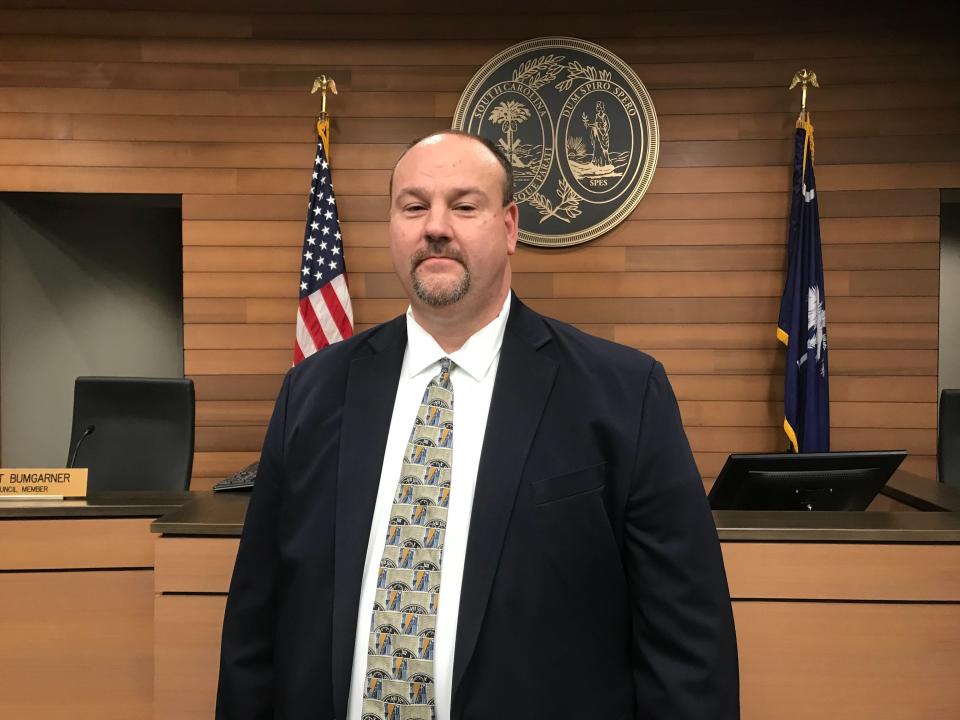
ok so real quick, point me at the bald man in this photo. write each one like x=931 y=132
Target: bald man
x=566 y=565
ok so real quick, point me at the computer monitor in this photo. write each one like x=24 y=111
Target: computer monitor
x=803 y=481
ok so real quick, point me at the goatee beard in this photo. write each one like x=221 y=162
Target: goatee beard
x=440 y=297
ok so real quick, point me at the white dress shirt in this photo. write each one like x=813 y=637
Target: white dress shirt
x=474 y=371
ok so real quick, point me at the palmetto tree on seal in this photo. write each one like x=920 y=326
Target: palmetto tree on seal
x=509 y=115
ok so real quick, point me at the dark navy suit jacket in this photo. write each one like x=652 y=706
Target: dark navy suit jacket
x=593 y=587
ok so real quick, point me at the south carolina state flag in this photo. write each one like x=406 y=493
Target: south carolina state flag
x=802 y=326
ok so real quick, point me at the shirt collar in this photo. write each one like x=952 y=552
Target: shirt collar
x=474 y=357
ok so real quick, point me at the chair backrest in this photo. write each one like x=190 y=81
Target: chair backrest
x=948 y=437
x=142 y=432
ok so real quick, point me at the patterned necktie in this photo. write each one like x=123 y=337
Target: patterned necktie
x=399 y=680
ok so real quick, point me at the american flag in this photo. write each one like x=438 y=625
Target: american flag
x=325 y=315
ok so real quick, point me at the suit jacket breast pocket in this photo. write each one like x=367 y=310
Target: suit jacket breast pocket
x=571 y=484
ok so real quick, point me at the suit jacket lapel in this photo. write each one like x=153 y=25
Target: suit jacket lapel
x=523 y=384
x=368 y=406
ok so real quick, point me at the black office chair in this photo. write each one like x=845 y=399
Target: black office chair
x=133 y=433
x=948 y=438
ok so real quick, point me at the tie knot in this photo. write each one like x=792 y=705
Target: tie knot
x=443 y=377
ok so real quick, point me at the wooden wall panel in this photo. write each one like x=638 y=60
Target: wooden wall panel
x=187 y=655
x=833 y=656
x=82 y=643
x=47 y=545
x=209 y=100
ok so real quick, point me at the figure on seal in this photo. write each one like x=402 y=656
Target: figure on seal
x=599 y=136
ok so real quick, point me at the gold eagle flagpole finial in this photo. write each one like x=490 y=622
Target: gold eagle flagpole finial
x=324 y=83
x=804 y=77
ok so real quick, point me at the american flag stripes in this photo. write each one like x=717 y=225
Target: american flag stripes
x=325 y=314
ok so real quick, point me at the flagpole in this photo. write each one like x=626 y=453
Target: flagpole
x=803 y=77
x=324 y=83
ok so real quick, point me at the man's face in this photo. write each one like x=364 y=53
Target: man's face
x=450 y=234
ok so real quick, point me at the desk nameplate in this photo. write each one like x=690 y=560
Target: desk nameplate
x=43 y=483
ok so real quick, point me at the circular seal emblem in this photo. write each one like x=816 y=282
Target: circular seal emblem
x=579 y=129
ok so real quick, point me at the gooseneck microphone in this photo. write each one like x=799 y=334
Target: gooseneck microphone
x=87 y=432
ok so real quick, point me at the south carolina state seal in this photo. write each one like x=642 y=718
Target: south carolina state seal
x=579 y=129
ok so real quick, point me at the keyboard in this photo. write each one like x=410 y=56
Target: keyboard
x=242 y=480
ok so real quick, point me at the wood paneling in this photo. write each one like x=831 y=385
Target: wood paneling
x=221 y=464
x=843 y=572
x=210 y=102
x=436 y=21
x=75 y=545
x=229 y=438
x=187 y=655
x=194 y=564
x=80 y=644
x=233 y=387
x=889 y=661
x=233 y=412
x=843 y=123
x=77 y=619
